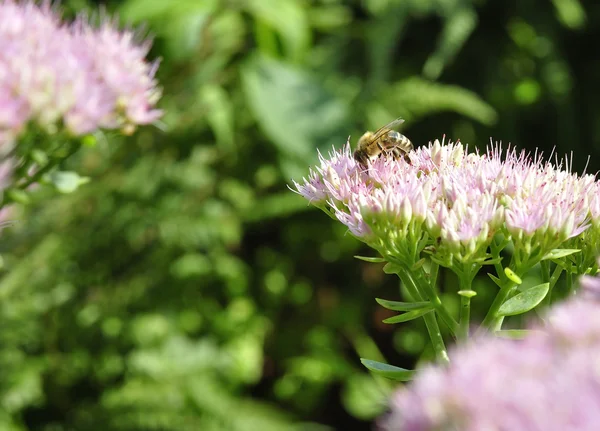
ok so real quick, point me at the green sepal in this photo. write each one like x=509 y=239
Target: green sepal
x=401 y=306
x=558 y=253
x=411 y=315
x=524 y=301
x=371 y=259
x=389 y=371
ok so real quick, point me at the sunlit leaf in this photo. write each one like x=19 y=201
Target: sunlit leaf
x=558 y=253
x=401 y=306
x=66 y=181
x=371 y=259
x=411 y=315
x=289 y=19
x=458 y=26
x=363 y=397
x=296 y=112
x=416 y=97
x=524 y=301
x=219 y=115
x=179 y=23
x=389 y=371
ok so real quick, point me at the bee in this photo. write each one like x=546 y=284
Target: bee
x=384 y=142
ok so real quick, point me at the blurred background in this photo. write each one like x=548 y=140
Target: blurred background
x=186 y=287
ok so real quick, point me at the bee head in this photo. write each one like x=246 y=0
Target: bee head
x=364 y=139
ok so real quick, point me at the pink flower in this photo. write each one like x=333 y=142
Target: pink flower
x=459 y=199
x=57 y=75
x=549 y=381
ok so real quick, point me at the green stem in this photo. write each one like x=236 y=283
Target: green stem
x=426 y=289
x=54 y=161
x=437 y=341
x=465 y=279
x=73 y=146
x=552 y=281
x=465 y=317
x=430 y=320
x=491 y=321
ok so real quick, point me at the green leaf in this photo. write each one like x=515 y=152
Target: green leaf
x=512 y=276
x=558 y=253
x=401 y=306
x=492 y=261
x=524 y=301
x=363 y=396
x=39 y=157
x=18 y=196
x=371 y=259
x=219 y=114
x=389 y=371
x=67 y=181
x=570 y=13
x=293 y=108
x=516 y=334
x=288 y=18
x=411 y=315
x=495 y=280
x=458 y=26
x=179 y=23
x=419 y=97
x=391 y=268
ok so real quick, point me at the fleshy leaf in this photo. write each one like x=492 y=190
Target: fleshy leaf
x=371 y=259
x=386 y=370
x=492 y=261
x=411 y=315
x=524 y=301
x=401 y=306
x=557 y=253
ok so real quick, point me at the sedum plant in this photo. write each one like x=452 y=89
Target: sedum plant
x=61 y=84
x=501 y=212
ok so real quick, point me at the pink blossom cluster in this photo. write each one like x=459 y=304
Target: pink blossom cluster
x=72 y=77
x=459 y=200
x=548 y=381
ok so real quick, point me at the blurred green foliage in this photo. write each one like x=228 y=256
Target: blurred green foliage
x=185 y=287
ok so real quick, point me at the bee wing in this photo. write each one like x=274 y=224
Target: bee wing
x=383 y=130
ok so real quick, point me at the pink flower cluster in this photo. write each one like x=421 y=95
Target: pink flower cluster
x=459 y=199
x=72 y=76
x=549 y=381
